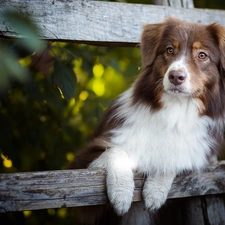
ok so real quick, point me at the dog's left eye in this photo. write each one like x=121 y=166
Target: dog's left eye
x=170 y=50
x=202 y=55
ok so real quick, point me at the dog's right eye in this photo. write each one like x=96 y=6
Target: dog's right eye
x=202 y=55
x=170 y=50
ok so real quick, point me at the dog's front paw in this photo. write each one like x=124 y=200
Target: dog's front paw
x=119 y=178
x=120 y=190
x=156 y=190
x=154 y=198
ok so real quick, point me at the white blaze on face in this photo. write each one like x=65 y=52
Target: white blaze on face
x=179 y=65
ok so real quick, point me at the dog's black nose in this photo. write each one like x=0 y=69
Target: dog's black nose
x=177 y=77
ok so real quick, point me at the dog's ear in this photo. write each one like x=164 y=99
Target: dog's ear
x=218 y=32
x=149 y=42
x=151 y=37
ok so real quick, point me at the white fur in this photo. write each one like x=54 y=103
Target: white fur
x=167 y=141
x=159 y=144
x=120 y=183
x=156 y=189
x=178 y=65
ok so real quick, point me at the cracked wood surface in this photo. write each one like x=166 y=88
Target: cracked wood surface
x=98 y=22
x=71 y=188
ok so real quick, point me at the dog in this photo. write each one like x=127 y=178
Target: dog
x=171 y=120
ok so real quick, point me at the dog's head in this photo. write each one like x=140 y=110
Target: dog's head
x=183 y=59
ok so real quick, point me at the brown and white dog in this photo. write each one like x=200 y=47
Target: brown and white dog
x=169 y=121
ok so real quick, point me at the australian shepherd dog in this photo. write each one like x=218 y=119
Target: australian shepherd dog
x=170 y=120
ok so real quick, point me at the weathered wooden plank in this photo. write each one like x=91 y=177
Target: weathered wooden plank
x=188 y=4
x=204 y=210
x=161 y=2
x=192 y=212
x=69 y=188
x=97 y=22
x=175 y=3
x=185 y=211
x=215 y=209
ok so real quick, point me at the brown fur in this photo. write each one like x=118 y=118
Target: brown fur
x=207 y=79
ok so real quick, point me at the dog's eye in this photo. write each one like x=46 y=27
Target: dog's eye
x=202 y=55
x=170 y=50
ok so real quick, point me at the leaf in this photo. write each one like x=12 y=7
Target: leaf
x=23 y=26
x=65 y=78
x=20 y=50
x=10 y=69
x=33 y=91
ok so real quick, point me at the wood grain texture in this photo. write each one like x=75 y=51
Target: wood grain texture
x=185 y=211
x=98 y=22
x=215 y=208
x=204 y=210
x=189 y=4
x=175 y=3
x=70 y=188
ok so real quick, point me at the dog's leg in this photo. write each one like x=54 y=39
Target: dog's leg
x=156 y=189
x=119 y=180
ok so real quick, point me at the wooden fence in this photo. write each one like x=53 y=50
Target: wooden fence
x=104 y=23
x=70 y=188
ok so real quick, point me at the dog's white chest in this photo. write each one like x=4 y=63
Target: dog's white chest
x=172 y=139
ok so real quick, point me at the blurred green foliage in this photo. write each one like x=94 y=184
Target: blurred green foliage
x=51 y=99
x=52 y=96
x=54 y=111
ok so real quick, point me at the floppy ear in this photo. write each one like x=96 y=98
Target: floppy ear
x=149 y=42
x=151 y=37
x=218 y=32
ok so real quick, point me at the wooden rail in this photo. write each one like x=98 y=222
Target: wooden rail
x=70 y=188
x=98 y=22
